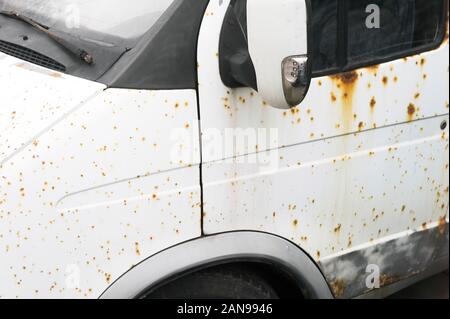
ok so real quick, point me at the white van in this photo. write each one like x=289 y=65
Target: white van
x=222 y=148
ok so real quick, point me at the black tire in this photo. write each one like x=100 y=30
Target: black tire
x=217 y=283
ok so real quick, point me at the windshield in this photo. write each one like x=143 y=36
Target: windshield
x=121 y=18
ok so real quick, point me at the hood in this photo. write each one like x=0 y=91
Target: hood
x=33 y=100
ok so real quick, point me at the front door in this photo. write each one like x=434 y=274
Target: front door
x=357 y=174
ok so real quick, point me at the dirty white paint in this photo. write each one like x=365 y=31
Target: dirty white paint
x=363 y=157
x=89 y=185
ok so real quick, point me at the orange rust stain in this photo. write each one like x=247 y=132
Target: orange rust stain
x=373 y=69
x=295 y=222
x=386 y=280
x=442 y=225
x=373 y=103
x=295 y=110
x=338 y=288
x=361 y=126
x=108 y=278
x=422 y=61
x=411 y=111
x=333 y=97
x=385 y=80
x=137 y=250
x=346 y=84
x=346 y=78
x=338 y=228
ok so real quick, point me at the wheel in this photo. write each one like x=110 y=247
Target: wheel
x=217 y=283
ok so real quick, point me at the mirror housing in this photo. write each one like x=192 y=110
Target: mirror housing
x=278 y=46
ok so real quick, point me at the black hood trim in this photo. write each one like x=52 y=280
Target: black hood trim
x=166 y=56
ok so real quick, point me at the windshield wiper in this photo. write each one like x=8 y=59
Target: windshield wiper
x=82 y=54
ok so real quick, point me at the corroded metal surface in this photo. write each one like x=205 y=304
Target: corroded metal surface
x=396 y=258
x=89 y=185
x=363 y=159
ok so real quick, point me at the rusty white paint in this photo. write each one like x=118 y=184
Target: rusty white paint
x=89 y=185
x=362 y=159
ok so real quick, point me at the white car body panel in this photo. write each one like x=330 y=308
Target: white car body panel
x=90 y=180
x=95 y=180
x=361 y=161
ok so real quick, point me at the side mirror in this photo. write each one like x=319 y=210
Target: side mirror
x=278 y=46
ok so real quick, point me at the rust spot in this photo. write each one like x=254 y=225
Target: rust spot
x=295 y=222
x=386 y=280
x=137 y=250
x=338 y=288
x=108 y=278
x=411 y=111
x=361 y=126
x=333 y=97
x=385 y=80
x=337 y=229
x=417 y=95
x=295 y=110
x=346 y=83
x=442 y=225
x=423 y=61
x=373 y=69
x=373 y=103
x=346 y=78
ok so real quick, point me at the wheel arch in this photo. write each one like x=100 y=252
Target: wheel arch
x=214 y=250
